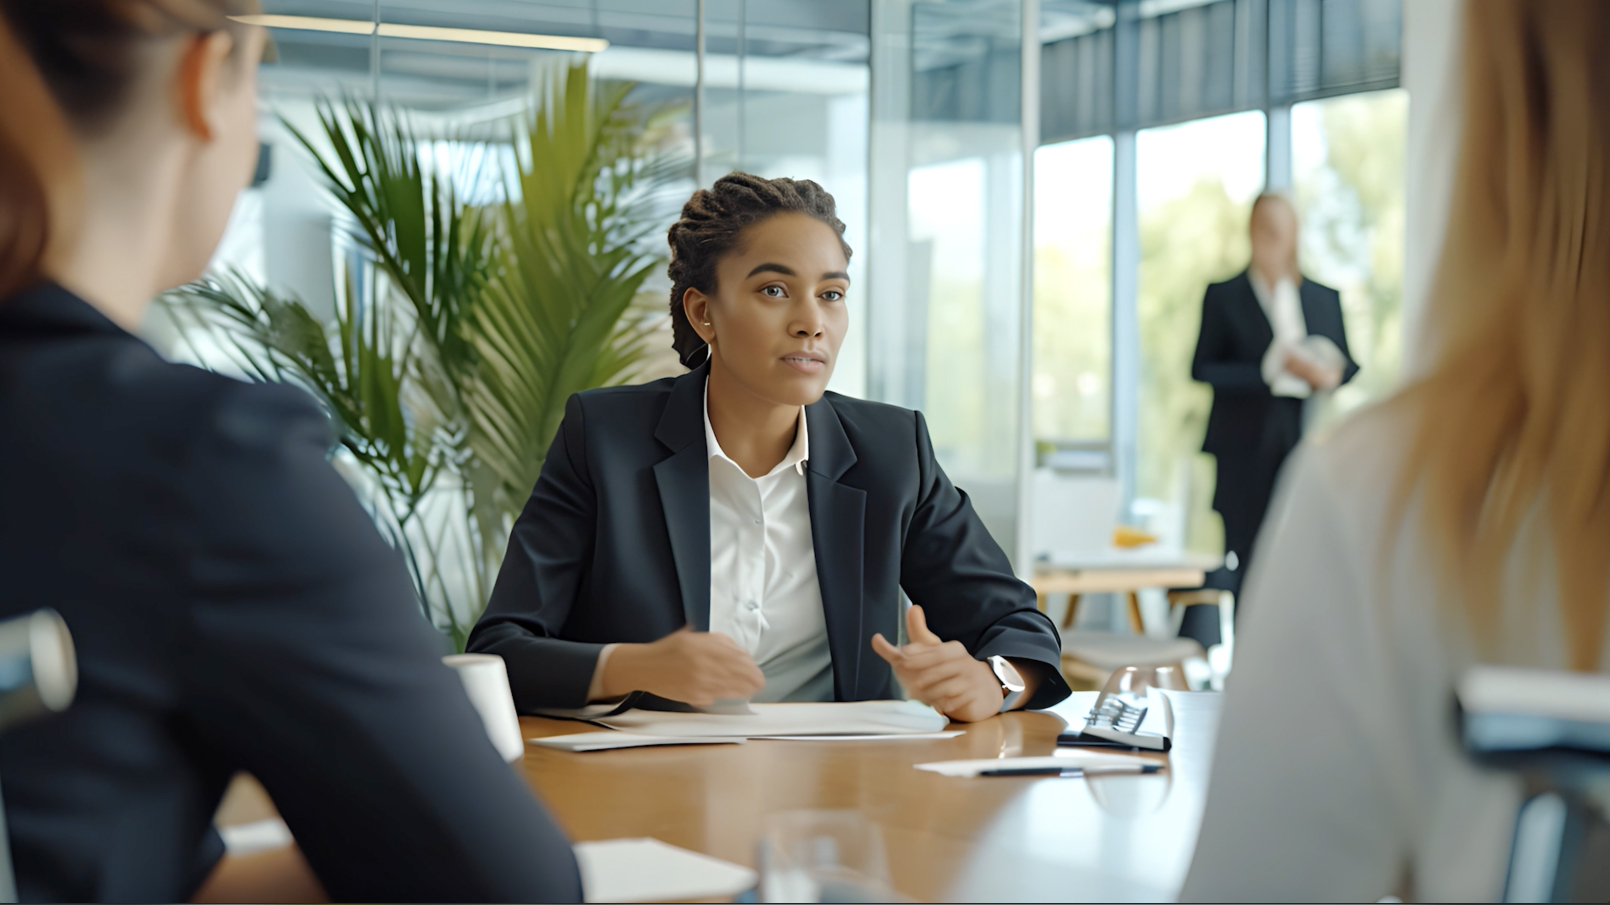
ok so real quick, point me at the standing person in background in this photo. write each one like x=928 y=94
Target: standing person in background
x=1269 y=340
x=1464 y=521
x=232 y=605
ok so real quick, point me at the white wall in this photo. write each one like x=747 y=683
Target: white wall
x=1431 y=30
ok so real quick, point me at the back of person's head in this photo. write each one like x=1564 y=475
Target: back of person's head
x=1513 y=415
x=73 y=72
x=712 y=224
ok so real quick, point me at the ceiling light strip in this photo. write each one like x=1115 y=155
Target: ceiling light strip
x=310 y=23
x=429 y=33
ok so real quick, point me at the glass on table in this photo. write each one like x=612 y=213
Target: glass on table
x=1131 y=697
x=824 y=856
x=1131 y=683
x=1131 y=710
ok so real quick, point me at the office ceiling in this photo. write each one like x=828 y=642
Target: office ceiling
x=792 y=45
x=645 y=36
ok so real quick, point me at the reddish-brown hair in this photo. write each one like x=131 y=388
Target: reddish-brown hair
x=36 y=169
x=68 y=67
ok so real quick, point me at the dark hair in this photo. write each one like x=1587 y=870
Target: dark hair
x=710 y=227
x=68 y=67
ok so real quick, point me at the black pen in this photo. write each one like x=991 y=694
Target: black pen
x=1069 y=771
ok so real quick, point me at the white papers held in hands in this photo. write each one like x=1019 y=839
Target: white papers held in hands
x=648 y=870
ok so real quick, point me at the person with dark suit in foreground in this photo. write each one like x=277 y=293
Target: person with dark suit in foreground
x=1270 y=339
x=738 y=532
x=232 y=605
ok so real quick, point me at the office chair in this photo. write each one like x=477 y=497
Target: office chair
x=38 y=675
x=1553 y=730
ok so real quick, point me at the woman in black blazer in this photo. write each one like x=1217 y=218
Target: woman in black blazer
x=742 y=497
x=232 y=605
x=1260 y=379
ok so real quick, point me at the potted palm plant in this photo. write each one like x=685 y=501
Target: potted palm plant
x=464 y=327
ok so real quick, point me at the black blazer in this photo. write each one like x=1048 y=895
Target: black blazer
x=614 y=545
x=233 y=609
x=1229 y=356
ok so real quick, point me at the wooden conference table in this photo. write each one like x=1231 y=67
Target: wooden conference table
x=948 y=839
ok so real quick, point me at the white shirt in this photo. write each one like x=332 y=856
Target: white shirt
x=1337 y=770
x=763 y=588
x=1283 y=307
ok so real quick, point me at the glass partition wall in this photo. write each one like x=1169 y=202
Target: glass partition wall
x=948 y=287
x=774 y=87
x=1035 y=211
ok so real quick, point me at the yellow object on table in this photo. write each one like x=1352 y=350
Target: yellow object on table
x=1125 y=536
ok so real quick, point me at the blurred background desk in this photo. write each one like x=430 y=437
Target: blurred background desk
x=1123 y=838
x=1089 y=657
x=1120 y=573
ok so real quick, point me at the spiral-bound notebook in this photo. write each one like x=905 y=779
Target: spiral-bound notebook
x=1126 y=721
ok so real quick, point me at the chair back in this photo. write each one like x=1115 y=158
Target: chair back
x=1552 y=729
x=38 y=675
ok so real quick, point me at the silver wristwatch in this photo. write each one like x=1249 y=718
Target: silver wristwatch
x=1011 y=681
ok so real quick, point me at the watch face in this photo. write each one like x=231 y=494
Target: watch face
x=1007 y=673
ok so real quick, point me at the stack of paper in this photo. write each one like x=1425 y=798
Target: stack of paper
x=648 y=870
x=603 y=741
x=859 y=718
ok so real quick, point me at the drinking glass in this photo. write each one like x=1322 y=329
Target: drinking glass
x=1132 y=681
x=823 y=856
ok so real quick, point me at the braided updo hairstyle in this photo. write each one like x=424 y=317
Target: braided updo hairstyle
x=711 y=224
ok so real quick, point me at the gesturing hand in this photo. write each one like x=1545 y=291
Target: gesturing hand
x=695 y=668
x=941 y=674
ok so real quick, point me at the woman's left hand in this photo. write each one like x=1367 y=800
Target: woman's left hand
x=941 y=674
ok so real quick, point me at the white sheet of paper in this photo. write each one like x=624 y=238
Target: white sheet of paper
x=875 y=718
x=648 y=870
x=609 y=738
x=1080 y=760
x=861 y=738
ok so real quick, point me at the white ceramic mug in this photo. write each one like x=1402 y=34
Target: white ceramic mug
x=486 y=681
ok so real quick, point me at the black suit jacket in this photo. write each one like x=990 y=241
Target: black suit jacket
x=1246 y=418
x=614 y=545
x=233 y=609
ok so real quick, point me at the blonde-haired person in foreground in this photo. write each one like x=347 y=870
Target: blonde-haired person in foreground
x=1465 y=521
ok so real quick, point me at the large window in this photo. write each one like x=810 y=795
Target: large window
x=1073 y=290
x=1347 y=167
x=1195 y=187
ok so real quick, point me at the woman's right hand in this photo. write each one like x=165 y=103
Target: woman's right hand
x=1317 y=375
x=697 y=668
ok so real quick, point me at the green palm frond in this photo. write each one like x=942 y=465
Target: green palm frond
x=448 y=374
x=352 y=366
x=434 y=248
x=551 y=322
